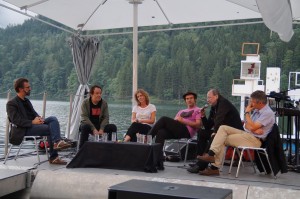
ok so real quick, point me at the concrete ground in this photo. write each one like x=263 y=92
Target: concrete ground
x=52 y=181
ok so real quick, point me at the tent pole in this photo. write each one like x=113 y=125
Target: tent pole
x=135 y=49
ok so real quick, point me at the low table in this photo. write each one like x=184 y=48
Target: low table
x=114 y=155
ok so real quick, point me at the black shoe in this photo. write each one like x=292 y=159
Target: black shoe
x=192 y=164
x=194 y=169
x=160 y=166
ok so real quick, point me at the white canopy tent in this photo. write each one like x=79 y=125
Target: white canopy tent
x=88 y=15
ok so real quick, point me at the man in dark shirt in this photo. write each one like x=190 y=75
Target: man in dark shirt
x=27 y=122
x=94 y=116
x=222 y=112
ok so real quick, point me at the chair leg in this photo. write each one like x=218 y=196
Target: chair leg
x=232 y=159
x=179 y=151
x=7 y=155
x=253 y=165
x=266 y=154
x=186 y=152
x=37 y=149
x=78 y=142
x=46 y=149
x=16 y=156
x=223 y=159
x=239 y=164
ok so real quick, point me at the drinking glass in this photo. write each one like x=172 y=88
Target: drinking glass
x=149 y=139
x=114 y=136
x=138 y=138
x=143 y=139
x=97 y=138
x=104 y=137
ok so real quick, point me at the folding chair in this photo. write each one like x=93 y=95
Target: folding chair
x=259 y=151
x=36 y=148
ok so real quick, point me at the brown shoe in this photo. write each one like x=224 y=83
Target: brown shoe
x=58 y=161
x=209 y=172
x=206 y=158
x=60 y=145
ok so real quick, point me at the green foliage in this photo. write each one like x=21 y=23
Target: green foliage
x=170 y=62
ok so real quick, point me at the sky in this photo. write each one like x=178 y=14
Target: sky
x=9 y=17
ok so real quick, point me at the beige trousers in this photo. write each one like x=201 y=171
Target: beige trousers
x=228 y=136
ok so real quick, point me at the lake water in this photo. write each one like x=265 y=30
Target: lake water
x=120 y=113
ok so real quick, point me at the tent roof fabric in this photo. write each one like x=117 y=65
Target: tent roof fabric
x=110 y=14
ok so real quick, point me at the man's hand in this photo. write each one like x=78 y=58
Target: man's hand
x=179 y=119
x=259 y=131
x=202 y=112
x=101 y=132
x=249 y=108
x=38 y=120
x=95 y=132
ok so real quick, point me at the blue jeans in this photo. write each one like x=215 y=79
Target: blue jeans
x=50 y=129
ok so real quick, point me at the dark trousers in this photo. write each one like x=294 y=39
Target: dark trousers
x=168 y=128
x=86 y=130
x=50 y=129
x=203 y=144
x=203 y=141
x=137 y=128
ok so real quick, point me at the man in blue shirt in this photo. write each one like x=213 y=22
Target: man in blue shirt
x=257 y=126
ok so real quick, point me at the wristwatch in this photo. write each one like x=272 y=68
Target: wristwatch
x=246 y=113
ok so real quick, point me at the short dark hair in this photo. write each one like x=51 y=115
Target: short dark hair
x=259 y=96
x=93 y=89
x=189 y=93
x=19 y=83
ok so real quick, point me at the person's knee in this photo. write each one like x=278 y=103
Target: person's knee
x=85 y=128
x=110 y=128
x=164 y=118
x=53 y=118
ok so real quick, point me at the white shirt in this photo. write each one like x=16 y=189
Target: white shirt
x=144 y=113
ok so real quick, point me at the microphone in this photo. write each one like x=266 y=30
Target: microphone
x=204 y=107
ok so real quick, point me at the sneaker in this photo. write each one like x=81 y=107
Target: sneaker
x=60 y=145
x=58 y=161
x=192 y=164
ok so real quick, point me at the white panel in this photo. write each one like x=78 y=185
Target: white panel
x=273 y=80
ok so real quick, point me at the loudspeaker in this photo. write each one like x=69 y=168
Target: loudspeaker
x=136 y=189
x=172 y=149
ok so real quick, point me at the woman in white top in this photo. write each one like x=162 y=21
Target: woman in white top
x=143 y=116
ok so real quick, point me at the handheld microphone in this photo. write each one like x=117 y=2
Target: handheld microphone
x=204 y=107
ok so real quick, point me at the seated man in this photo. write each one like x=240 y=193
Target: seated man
x=222 y=112
x=185 y=124
x=28 y=123
x=257 y=126
x=94 y=116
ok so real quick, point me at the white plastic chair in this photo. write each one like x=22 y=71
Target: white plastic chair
x=260 y=151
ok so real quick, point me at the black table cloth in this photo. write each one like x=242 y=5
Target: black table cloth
x=114 y=155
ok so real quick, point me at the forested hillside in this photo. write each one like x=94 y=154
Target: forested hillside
x=170 y=62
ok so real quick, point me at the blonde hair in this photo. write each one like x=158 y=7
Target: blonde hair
x=144 y=93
